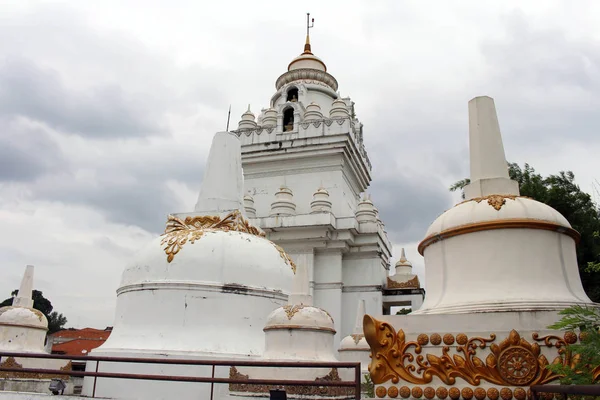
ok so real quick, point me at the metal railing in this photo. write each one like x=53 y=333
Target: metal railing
x=356 y=383
x=565 y=390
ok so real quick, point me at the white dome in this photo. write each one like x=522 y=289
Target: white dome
x=300 y=317
x=22 y=316
x=354 y=342
x=208 y=281
x=217 y=256
x=495 y=208
x=307 y=60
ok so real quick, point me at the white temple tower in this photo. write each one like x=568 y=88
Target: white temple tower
x=305 y=169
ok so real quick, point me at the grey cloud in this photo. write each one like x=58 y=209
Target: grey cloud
x=26 y=153
x=408 y=207
x=104 y=112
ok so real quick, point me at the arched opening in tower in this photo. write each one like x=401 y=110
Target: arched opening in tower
x=292 y=94
x=288 y=119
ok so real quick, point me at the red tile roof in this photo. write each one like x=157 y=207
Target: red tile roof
x=77 y=347
x=86 y=333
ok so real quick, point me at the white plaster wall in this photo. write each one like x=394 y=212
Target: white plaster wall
x=286 y=344
x=22 y=339
x=538 y=272
x=155 y=390
x=328 y=286
x=303 y=185
x=191 y=318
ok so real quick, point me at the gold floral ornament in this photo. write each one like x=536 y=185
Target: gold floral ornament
x=178 y=232
x=512 y=362
x=494 y=200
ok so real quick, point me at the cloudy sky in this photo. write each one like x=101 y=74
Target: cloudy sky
x=107 y=110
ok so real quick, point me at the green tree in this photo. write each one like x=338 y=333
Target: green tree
x=404 y=311
x=585 y=354
x=56 y=321
x=561 y=193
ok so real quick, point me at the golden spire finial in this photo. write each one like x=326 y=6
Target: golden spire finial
x=307 y=49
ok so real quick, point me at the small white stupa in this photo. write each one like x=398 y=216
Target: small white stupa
x=23 y=330
x=22 y=327
x=404 y=277
x=297 y=331
x=203 y=289
x=499 y=269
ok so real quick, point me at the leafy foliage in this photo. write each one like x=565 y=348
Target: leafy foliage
x=368 y=387
x=561 y=193
x=56 y=321
x=586 y=353
x=404 y=311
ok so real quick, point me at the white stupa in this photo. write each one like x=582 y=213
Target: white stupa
x=499 y=267
x=299 y=332
x=23 y=330
x=22 y=327
x=203 y=289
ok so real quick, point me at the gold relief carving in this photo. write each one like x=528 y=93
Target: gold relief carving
x=479 y=393
x=520 y=394
x=448 y=339
x=417 y=392
x=290 y=311
x=285 y=257
x=512 y=362
x=467 y=393
x=380 y=391
x=454 y=393
x=357 y=337
x=493 y=393
x=405 y=392
x=462 y=339
x=570 y=337
x=178 y=232
x=393 y=392
x=422 y=339
x=429 y=392
x=506 y=394
x=441 y=392
x=436 y=339
x=410 y=284
x=494 y=200
x=329 y=391
x=11 y=363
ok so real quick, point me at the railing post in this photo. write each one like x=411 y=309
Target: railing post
x=212 y=383
x=95 y=377
x=357 y=376
x=534 y=395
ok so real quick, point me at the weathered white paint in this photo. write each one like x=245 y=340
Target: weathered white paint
x=354 y=347
x=210 y=302
x=489 y=170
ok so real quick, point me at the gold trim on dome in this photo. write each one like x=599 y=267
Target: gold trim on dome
x=291 y=310
x=178 y=232
x=512 y=362
x=299 y=328
x=516 y=223
x=285 y=256
x=410 y=284
x=357 y=337
x=494 y=200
